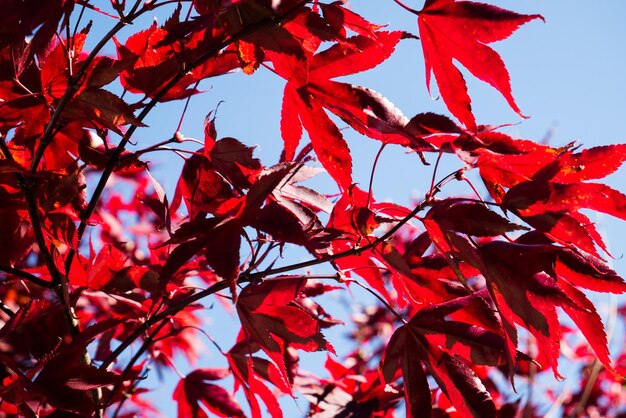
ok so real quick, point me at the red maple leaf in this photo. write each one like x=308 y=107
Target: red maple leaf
x=194 y=390
x=271 y=318
x=460 y=30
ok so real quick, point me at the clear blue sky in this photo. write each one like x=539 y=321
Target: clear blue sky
x=567 y=74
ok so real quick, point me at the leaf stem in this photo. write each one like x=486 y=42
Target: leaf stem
x=432 y=180
x=369 y=193
x=182 y=116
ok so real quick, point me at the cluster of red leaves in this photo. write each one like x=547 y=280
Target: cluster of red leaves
x=84 y=277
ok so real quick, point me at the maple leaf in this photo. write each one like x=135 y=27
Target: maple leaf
x=204 y=189
x=465 y=217
x=351 y=390
x=219 y=240
x=302 y=106
x=235 y=162
x=341 y=18
x=41 y=22
x=410 y=347
x=551 y=199
x=250 y=372
x=526 y=168
x=591 y=163
x=19 y=235
x=104 y=108
x=194 y=389
x=368 y=113
x=328 y=143
x=105 y=265
x=527 y=289
x=270 y=317
x=460 y=30
x=156 y=55
x=220 y=236
x=35 y=330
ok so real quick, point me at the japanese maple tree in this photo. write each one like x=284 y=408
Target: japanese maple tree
x=105 y=275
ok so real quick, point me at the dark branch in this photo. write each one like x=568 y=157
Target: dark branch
x=26 y=276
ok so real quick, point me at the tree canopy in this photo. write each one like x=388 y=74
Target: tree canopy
x=480 y=283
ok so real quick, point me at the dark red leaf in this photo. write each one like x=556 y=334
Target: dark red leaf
x=339 y=17
x=66 y=381
x=193 y=391
x=403 y=351
x=104 y=107
x=235 y=162
x=534 y=197
x=367 y=112
x=290 y=125
x=460 y=384
x=270 y=318
x=465 y=217
x=204 y=189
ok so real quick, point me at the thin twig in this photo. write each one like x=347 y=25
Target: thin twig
x=26 y=276
x=369 y=193
x=131 y=363
x=182 y=116
x=85 y=3
x=432 y=180
x=80 y=17
x=381 y=299
x=471 y=185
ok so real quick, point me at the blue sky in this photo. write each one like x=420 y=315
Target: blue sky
x=567 y=75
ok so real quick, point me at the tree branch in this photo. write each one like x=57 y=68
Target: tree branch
x=26 y=276
x=146 y=344
x=4 y=308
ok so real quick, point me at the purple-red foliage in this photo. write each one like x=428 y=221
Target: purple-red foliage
x=468 y=288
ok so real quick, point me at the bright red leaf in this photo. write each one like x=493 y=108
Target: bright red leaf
x=460 y=30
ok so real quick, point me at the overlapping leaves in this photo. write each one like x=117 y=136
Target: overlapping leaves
x=467 y=279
